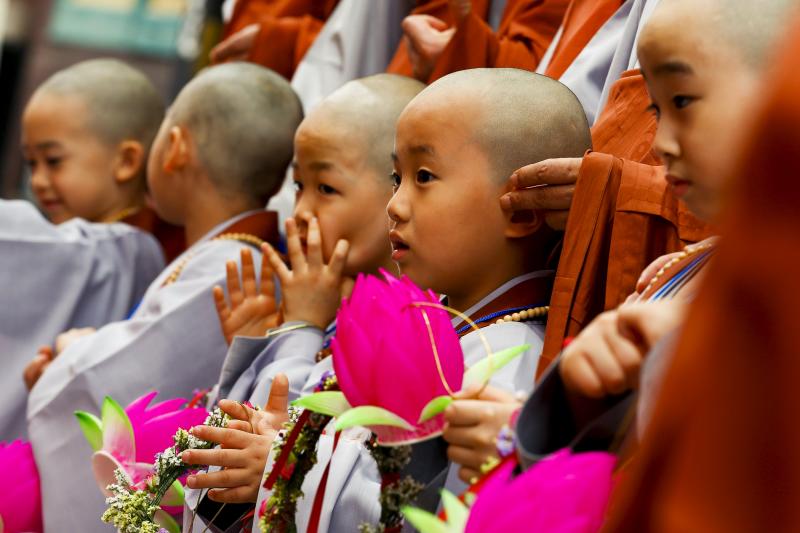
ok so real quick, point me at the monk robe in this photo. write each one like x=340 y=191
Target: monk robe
x=173 y=344
x=58 y=277
x=623 y=216
x=170 y=237
x=287 y=29
x=351 y=493
x=721 y=453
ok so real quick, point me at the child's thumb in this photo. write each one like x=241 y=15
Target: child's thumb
x=278 y=394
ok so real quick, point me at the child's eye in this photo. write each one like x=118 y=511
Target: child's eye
x=326 y=189
x=680 y=101
x=395 y=177
x=298 y=186
x=423 y=176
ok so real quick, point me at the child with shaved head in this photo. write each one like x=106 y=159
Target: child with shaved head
x=86 y=132
x=220 y=152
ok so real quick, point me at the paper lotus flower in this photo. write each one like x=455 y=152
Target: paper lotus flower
x=129 y=439
x=398 y=360
x=20 y=500
x=563 y=493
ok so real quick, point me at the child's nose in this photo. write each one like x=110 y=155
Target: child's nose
x=397 y=208
x=39 y=181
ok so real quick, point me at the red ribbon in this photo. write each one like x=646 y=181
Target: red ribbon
x=316 y=510
x=286 y=450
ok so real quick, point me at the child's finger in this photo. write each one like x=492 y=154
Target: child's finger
x=229 y=458
x=233 y=495
x=248 y=273
x=278 y=400
x=468 y=412
x=232 y=279
x=229 y=437
x=277 y=264
x=240 y=425
x=314 y=244
x=295 y=250
x=222 y=306
x=464 y=456
x=468 y=475
x=339 y=258
x=267 y=280
x=464 y=436
x=230 y=477
x=583 y=379
x=235 y=410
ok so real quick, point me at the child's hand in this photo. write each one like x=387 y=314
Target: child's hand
x=246 y=443
x=606 y=357
x=37 y=366
x=311 y=291
x=473 y=424
x=68 y=337
x=253 y=310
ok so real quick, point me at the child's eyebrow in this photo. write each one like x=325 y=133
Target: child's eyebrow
x=673 y=67
x=47 y=144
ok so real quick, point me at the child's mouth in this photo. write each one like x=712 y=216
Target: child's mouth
x=399 y=246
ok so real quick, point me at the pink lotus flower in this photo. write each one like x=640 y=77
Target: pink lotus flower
x=382 y=353
x=129 y=439
x=20 y=500
x=563 y=493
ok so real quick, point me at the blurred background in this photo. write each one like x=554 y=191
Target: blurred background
x=167 y=39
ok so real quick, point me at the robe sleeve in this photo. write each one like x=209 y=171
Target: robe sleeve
x=521 y=41
x=172 y=344
x=58 y=277
x=282 y=42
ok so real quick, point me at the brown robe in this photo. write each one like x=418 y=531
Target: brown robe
x=287 y=29
x=623 y=216
x=171 y=238
x=722 y=453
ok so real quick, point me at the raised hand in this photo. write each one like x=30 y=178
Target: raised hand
x=312 y=290
x=473 y=424
x=68 y=337
x=245 y=446
x=426 y=38
x=546 y=186
x=34 y=370
x=236 y=47
x=252 y=310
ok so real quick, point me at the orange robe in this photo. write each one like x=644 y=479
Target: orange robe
x=582 y=20
x=623 y=216
x=722 y=452
x=287 y=29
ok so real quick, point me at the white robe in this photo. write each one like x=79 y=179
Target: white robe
x=173 y=344
x=353 y=487
x=57 y=277
x=358 y=40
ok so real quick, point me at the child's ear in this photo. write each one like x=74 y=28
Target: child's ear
x=521 y=224
x=177 y=153
x=130 y=161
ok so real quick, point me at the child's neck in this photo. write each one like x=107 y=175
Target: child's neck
x=124 y=207
x=207 y=213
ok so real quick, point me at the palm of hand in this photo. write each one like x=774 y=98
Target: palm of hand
x=255 y=315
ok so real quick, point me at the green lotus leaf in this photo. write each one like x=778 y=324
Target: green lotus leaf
x=330 y=403
x=117 y=431
x=482 y=371
x=174 y=495
x=455 y=510
x=423 y=521
x=92 y=429
x=163 y=519
x=369 y=415
x=434 y=407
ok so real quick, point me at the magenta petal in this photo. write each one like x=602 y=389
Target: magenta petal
x=135 y=410
x=155 y=435
x=20 y=500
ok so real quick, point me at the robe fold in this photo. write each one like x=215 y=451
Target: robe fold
x=623 y=216
x=526 y=29
x=57 y=277
x=287 y=29
x=172 y=343
x=721 y=452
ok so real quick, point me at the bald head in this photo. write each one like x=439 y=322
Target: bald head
x=520 y=117
x=122 y=103
x=367 y=110
x=242 y=118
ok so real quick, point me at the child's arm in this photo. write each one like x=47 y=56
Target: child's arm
x=245 y=445
x=253 y=309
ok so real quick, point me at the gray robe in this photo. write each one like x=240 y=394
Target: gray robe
x=173 y=344
x=58 y=277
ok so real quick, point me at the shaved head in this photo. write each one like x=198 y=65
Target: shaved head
x=122 y=102
x=747 y=26
x=367 y=109
x=521 y=117
x=242 y=118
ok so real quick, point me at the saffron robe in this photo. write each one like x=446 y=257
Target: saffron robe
x=58 y=277
x=721 y=453
x=622 y=217
x=353 y=485
x=170 y=236
x=287 y=29
x=173 y=344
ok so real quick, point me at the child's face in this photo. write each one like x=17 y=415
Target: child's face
x=346 y=195
x=702 y=92
x=72 y=170
x=447 y=223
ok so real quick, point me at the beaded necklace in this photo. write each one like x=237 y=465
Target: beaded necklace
x=246 y=238
x=687 y=252
x=515 y=314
